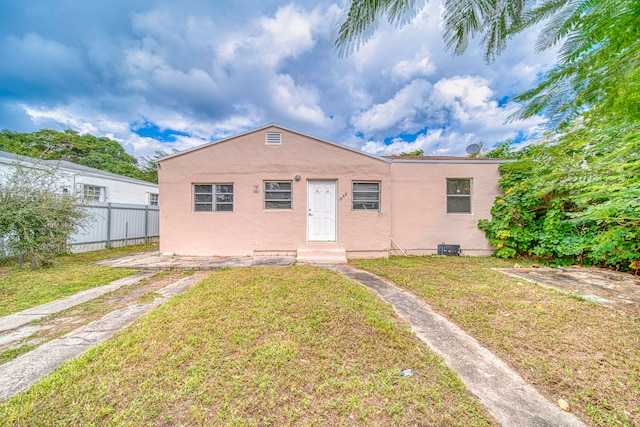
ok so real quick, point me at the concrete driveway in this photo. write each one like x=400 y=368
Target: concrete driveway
x=620 y=291
x=154 y=261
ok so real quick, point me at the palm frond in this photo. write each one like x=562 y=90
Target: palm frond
x=361 y=18
x=561 y=23
x=493 y=20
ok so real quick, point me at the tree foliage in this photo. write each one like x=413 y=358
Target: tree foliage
x=574 y=198
x=35 y=221
x=598 y=57
x=87 y=150
x=413 y=153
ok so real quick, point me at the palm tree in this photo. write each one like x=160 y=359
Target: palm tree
x=598 y=57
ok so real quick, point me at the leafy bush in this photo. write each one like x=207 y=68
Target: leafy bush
x=35 y=220
x=572 y=199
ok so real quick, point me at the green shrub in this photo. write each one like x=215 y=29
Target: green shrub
x=575 y=198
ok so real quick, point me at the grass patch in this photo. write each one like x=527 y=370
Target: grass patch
x=256 y=346
x=23 y=288
x=61 y=323
x=567 y=347
x=7 y=355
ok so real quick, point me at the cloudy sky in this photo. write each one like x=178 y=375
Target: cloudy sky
x=157 y=75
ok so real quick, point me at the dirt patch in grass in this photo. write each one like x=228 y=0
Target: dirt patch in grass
x=23 y=288
x=567 y=347
x=61 y=323
x=259 y=346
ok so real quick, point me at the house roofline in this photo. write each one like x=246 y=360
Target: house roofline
x=344 y=147
x=458 y=160
x=12 y=158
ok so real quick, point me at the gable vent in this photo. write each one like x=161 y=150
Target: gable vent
x=273 y=138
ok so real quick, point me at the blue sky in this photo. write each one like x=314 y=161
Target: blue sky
x=158 y=75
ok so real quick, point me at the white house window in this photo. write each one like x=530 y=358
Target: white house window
x=273 y=138
x=459 y=195
x=213 y=197
x=277 y=194
x=154 y=199
x=365 y=196
x=93 y=193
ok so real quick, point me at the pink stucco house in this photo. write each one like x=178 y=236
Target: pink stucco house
x=275 y=191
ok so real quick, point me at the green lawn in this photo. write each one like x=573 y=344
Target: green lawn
x=260 y=346
x=586 y=354
x=23 y=288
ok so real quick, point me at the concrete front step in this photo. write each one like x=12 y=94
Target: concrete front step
x=321 y=256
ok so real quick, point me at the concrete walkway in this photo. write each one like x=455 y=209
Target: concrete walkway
x=509 y=399
x=22 y=372
x=16 y=320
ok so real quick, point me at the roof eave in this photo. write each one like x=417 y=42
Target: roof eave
x=209 y=144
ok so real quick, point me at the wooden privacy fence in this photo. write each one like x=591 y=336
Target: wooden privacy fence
x=116 y=224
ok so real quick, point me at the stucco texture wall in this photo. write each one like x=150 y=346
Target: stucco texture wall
x=420 y=220
x=250 y=229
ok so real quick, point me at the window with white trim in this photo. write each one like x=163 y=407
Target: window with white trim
x=459 y=195
x=365 y=196
x=277 y=194
x=213 y=197
x=93 y=193
x=273 y=138
x=154 y=199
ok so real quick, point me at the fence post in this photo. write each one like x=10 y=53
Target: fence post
x=109 y=225
x=146 y=223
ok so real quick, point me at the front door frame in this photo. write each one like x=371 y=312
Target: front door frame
x=334 y=200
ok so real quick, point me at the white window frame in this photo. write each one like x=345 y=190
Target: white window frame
x=215 y=192
x=271 y=187
x=154 y=199
x=96 y=193
x=355 y=200
x=459 y=195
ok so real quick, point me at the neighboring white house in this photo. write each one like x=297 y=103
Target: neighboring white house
x=93 y=184
x=123 y=210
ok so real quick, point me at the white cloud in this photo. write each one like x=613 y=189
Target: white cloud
x=213 y=69
x=296 y=101
x=271 y=40
x=419 y=66
x=475 y=110
x=399 y=111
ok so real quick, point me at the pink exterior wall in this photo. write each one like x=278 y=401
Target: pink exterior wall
x=413 y=200
x=420 y=221
x=246 y=162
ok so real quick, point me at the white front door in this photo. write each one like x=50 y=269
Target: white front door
x=321 y=210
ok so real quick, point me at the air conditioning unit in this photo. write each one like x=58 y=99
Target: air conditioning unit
x=449 y=250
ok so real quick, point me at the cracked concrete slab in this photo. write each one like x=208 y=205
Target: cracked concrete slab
x=154 y=261
x=18 y=334
x=22 y=372
x=620 y=291
x=16 y=320
x=508 y=398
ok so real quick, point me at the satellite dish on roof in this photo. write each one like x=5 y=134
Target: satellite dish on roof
x=473 y=148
